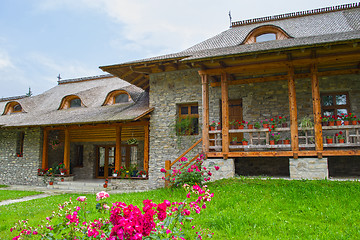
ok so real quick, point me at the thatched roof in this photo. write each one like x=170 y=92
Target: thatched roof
x=42 y=109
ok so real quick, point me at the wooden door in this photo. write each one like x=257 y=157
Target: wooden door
x=236 y=113
x=105 y=161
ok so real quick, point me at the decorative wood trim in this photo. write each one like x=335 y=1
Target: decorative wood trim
x=225 y=113
x=110 y=98
x=65 y=102
x=118 y=148
x=280 y=33
x=194 y=145
x=67 y=151
x=10 y=108
x=146 y=148
x=293 y=110
x=44 y=163
x=101 y=125
x=205 y=112
x=316 y=108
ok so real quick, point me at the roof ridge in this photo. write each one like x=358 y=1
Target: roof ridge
x=84 y=79
x=296 y=14
x=13 y=98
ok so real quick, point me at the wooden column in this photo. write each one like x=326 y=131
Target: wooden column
x=44 y=163
x=225 y=114
x=316 y=108
x=67 y=151
x=205 y=112
x=146 y=148
x=293 y=110
x=118 y=148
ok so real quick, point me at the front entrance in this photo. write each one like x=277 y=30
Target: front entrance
x=105 y=161
x=236 y=114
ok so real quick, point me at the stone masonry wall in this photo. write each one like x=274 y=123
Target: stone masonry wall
x=20 y=170
x=309 y=168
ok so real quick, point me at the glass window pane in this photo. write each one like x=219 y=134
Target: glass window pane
x=341 y=99
x=327 y=100
x=194 y=110
x=195 y=126
x=121 y=98
x=184 y=110
x=17 y=108
x=342 y=111
x=266 y=37
x=328 y=113
x=75 y=103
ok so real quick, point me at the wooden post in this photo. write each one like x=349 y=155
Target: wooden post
x=167 y=175
x=293 y=110
x=146 y=148
x=118 y=148
x=205 y=113
x=316 y=108
x=225 y=114
x=44 y=164
x=67 y=151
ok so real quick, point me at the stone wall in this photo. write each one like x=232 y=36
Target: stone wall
x=309 y=168
x=20 y=170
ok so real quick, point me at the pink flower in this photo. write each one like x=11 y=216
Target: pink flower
x=163 y=170
x=168 y=231
x=217 y=168
x=188 y=195
x=102 y=195
x=81 y=199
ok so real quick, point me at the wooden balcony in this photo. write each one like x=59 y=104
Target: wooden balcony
x=259 y=142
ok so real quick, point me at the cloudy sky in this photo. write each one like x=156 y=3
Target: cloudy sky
x=40 y=39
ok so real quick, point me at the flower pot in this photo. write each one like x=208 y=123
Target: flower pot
x=354 y=122
x=62 y=179
x=284 y=125
x=51 y=183
x=218 y=128
x=280 y=142
x=341 y=140
x=287 y=141
x=105 y=185
x=114 y=175
x=250 y=126
x=212 y=128
x=338 y=123
x=346 y=123
x=62 y=173
x=331 y=123
x=266 y=125
x=272 y=142
x=324 y=123
x=329 y=140
x=241 y=127
x=244 y=142
x=144 y=175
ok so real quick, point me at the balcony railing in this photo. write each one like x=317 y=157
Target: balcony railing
x=259 y=139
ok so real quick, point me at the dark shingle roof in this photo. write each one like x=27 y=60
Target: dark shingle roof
x=321 y=26
x=42 y=110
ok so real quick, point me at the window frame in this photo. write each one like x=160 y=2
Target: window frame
x=20 y=144
x=195 y=129
x=334 y=106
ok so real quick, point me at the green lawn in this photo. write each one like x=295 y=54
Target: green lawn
x=13 y=194
x=243 y=209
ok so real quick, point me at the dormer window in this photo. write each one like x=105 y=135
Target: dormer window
x=266 y=33
x=117 y=96
x=71 y=101
x=265 y=37
x=13 y=107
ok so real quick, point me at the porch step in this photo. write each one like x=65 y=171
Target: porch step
x=81 y=186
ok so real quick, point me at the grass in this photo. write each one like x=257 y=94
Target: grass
x=3 y=186
x=243 y=209
x=13 y=194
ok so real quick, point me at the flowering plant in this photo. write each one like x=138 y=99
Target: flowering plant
x=328 y=137
x=244 y=140
x=272 y=121
x=242 y=123
x=281 y=119
x=188 y=173
x=275 y=136
x=348 y=117
x=214 y=124
x=332 y=118
x=55 y=143
x=266 y=121
x=339 y=135
x=325 y=118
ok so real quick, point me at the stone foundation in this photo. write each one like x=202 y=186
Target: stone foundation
x=226 y=170
x=309 y=168
x=130 y=184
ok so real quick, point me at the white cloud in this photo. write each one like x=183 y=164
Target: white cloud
x=5 y=61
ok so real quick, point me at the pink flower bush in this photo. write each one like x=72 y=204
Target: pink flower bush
x=101 y=195
x=81 y=199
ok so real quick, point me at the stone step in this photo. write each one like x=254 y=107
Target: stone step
x=78 y=186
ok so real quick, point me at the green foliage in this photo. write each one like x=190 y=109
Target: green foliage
x=13 y=194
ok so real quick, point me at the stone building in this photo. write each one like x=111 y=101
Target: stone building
x=295 y=68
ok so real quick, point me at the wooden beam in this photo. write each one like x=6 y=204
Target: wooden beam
x=118 y=148
x=67 y=151
x=134 y=81
x=293 y=110
x=316 y=108
x=126 y=74
x=100 y=125
x=146 y=149
x=225 y=113
x=205 y=112
x=44 y=164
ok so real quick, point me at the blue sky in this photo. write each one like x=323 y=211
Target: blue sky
x=40 y=39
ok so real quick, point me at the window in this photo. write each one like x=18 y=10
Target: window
x=12 y=107
x=335 y=103
x=188 y=119
x=20 y=144
x=121 y=98
x=117 y=96
x=71 y=101
x=17 y=108
x=265 y=37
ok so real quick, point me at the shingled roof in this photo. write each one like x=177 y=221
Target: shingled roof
x=42 y=109
x=305 y=28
